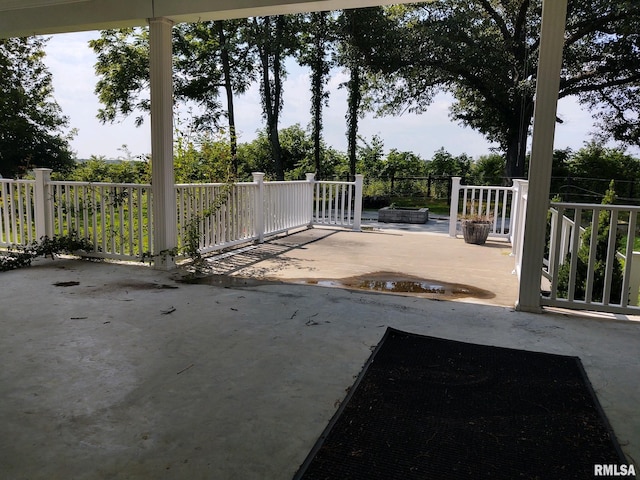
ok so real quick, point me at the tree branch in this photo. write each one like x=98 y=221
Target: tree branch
x=577 y=89
x=502 y=26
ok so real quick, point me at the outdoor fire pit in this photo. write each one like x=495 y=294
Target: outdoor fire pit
x=403 y=215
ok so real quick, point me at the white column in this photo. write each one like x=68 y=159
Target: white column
x=42 y=202
x=162 y=174
x=554 y=13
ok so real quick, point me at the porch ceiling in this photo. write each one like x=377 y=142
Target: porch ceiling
x=38 y=17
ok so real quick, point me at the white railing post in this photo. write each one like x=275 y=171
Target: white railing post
x=553 y=241
x=357 y=203
x=514 y=222
x=311 y=178
x=258 y=177
x=42 y=201
x=518 y=217
x=634 y=281
x=453 y=210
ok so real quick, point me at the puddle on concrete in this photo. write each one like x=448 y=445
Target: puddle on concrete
x=385 y=282
x=388 y=282
x=225 y=281
x=135 y=285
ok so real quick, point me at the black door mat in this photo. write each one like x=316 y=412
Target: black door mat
x=429 y=408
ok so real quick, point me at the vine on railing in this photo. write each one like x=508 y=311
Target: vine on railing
x=19 y=256
x=193 y=228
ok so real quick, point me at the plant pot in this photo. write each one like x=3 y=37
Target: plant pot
x=475 y=232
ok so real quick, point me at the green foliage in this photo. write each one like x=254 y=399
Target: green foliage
x=582 y=259
x=202 y=158
x=488 y=170
x=443 y=163
x=297 y=153
x=317 y=47
x=403 y=164
x=352 y=24
x=371 y=157
x=485 y=53
x=596 y=161
x=580 y=175
x=211 y=57
x=32 y=127
x=122 y=67
x=97 y=169
x=19 y=256
x=274 y=39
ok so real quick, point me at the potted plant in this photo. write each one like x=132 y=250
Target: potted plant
x=476 y=228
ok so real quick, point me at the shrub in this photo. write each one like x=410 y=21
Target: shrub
x=602 y=242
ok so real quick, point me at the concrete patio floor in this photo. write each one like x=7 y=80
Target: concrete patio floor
x=123 y=372
x=329 y=256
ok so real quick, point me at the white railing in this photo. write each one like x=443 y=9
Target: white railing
x=115 y=218
x=492 y=201
x=588 y=274
x=518 y=216
x=287 y=205
x=338 y=203
x=221 y=215
x=229 y=214
x=17 y=215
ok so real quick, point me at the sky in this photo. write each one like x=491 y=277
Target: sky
x=71 y=62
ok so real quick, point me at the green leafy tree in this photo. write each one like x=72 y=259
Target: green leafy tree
x=213 y=56
x=588 y=167
x=317 y=44
x=402 y=164
x=209 y=58
x=582 y=259
x=485 y=53
x=371 y=157
x=122 y=68
x=595 y=160
x=443 y=163
x=274 y=40
x=32 y=127
x=351 y=25
x=98 y=169
x=488 y=170
x=296 y=147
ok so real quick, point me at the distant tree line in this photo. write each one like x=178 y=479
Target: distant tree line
x=583 y=175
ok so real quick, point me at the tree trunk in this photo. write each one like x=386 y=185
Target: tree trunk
x=516 y=150
x=277 y=85
x=226 y=68
x=271 y=91
x=317 y=89
x=354 y=99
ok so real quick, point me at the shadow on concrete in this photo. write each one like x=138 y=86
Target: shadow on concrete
x=119 y=377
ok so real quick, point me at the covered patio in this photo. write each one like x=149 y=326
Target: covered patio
x=56 y=16
x=123 y=371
